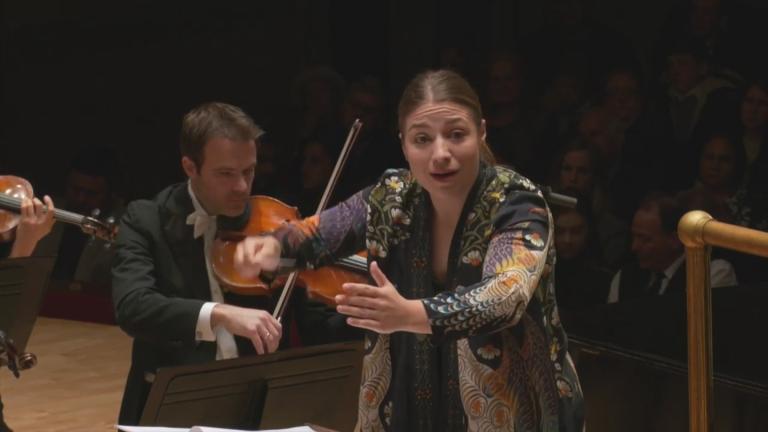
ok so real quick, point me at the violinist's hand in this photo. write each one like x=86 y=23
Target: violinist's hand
x=257 y=254
x=259 y=326
x=381 y=308
x=35 y=223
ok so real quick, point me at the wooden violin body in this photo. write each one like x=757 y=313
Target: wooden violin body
x=267 y=214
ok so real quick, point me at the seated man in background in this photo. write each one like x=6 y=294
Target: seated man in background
x=659 y=258
x=84 y=262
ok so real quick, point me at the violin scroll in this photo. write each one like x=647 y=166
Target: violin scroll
x=10 y=357
x=105 y=230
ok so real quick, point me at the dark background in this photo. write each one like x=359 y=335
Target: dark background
x=78 y=73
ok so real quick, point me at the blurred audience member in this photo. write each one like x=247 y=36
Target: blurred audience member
x=724 y=29
x=267 y=178
x=658 y=265
x=509 y=127
x=558 y=109
x=576 y=176
x=90 y=190
x=316 y=163
x=697 y=103
x=581 y=280
x=750 y=204
x=749 y=208
x=646 y=133
x=752 y=129
x=622 y=175
x=721 y=166
x=316 y=97
x=569 y=35
x=375 y=149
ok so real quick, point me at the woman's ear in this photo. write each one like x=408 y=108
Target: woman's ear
x=482 y=130
x=402 y=145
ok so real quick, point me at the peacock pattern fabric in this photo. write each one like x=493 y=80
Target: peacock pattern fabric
x=497 y=357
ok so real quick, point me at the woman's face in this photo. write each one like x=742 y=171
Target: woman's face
x=754 y=108
x=441 y=143
x=622 y=97
x=717 y=164
x=504 y=82
x=570 y=235
x=576 y=172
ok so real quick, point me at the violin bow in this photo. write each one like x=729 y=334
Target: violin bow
x=354 y=131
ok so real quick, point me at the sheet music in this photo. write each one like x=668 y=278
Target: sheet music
x=205 y=429
x=213 y=429
x=150 y=429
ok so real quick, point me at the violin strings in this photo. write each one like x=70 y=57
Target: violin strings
x=13 y=203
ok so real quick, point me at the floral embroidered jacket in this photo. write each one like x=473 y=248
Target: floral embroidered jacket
x=497 y=358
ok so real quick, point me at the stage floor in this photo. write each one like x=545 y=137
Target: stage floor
x=78 y=382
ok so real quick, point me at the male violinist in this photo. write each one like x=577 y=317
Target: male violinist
x=165 y=293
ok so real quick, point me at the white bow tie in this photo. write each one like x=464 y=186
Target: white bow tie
x=201 y=221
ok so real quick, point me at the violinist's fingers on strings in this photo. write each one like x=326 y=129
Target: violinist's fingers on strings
x=48 y=205
x=27 y=208
x=39 y=209
x=240 y=253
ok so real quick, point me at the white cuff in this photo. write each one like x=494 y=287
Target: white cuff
x=204 y=332
x=613 y=292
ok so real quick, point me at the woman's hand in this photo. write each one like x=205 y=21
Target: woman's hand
x=381 y=308
x=35 y=223
x=257 y=254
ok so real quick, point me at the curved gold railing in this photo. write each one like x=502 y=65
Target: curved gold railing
x=699 y=231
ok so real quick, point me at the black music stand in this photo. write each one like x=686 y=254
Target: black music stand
x=22 y=286
x=289 y=388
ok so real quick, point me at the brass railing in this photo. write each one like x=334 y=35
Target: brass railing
x=698 y=232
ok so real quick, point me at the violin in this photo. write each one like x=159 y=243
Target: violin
x=10 y=356
x=267 y=214
x=14 y=189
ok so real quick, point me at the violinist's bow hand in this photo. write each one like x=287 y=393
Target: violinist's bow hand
x=257 y=254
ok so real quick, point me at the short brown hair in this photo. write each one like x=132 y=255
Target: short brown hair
x=443 y=86
x=669 y=209
x=214 y=120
